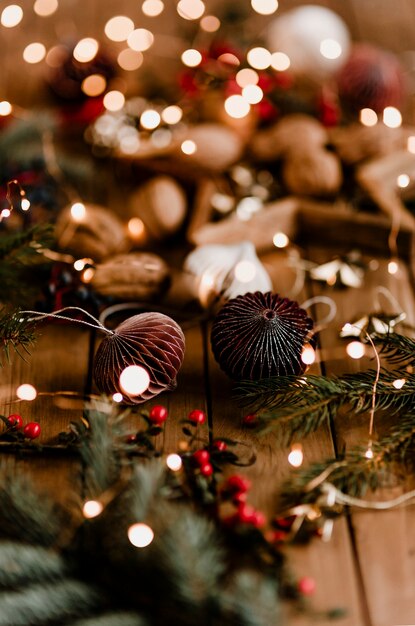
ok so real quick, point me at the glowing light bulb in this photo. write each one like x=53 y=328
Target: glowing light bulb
x=399 y=383
x=237 y=107
x=188 y=147
x=92 y=508
x=134 y=380
x=330 y=49
x=252 y=94
x=190 y=9
x=11 y=15
x=44 y=8
x=117 y=397
x=280 y=61
x=368 y=117
x=210 y=23
x=130 y=60
x=259 y=58
x=114 y=101
x=136 y=228
x=191 y=57
x=140 y=39
x=355 y=349
x=78 y=212
x=369 y=453
x=86 y=49
x=264 y=7
x=172 y=114
x=150 y=119
x=5 y=108
x=26 y=392
x=411 y=144
x=392 y=117
x=79 y=265
x=5 y=213
x=140 y=535
x=393 y=267
x=25 y=204
x=308 y=355
x=246 y=77
x=152 y=8
x=34 y=53
x=118 y=28
x=296 y=456
x=403 y=181
x=88 y=275
x=174 y=462
x=245 y=271
x=94 y=85
x=280 y=240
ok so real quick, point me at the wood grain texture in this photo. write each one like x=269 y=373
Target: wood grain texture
x=384 y=541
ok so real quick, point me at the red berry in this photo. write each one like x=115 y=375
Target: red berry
x=220 y=445
x=197 y=416
x=306 y=585
x=258 y=519
x=245 y=513
x=285 y=522
x=239 y=497
x=238 y=484
x=15 y=421
x=158 y=414
x=278 y=536
x=201 y=457
x=206 y=469
x=250 y=420
x=32 y=430
x=131 y=439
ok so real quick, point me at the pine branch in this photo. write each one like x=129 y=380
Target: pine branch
x=17 y=333
x=249 y=600
x=397 y=348
x=297 y=406
x=22 y=564
x=23 y=246
x=113 y=619
x=353 y=473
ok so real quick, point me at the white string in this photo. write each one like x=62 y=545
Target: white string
x=388 y=295
x=343 y=498
x=322 y=300
x=56 y=315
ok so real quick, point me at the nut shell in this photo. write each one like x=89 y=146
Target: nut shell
x=259 y=335
x=161 y=205
x=294 y=132
x=136 y=276
x=98 y=236
x=315 y=173
x=217 y=147
x=151 y=340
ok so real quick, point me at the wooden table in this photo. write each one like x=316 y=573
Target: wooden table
x=369 y=564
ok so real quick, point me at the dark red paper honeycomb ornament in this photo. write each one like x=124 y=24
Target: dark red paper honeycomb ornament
x=151 y=340
x=259 y=335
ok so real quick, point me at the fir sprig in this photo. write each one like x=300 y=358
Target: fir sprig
x=17 y=333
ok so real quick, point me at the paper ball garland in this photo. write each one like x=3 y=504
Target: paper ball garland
x=151 y=340
x=259 y=335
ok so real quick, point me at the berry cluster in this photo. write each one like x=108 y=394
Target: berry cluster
x=236 y=490
x=14 y=422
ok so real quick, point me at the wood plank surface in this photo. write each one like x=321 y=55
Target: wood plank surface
x=384 y=541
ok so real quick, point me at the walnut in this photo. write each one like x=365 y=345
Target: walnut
x=313 y=173
x=356 y=142
x=217 y=147
x=136 y=276
x=161 y=205
x=97 y=235
x=294 y=132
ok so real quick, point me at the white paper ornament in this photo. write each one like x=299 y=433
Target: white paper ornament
x=227 y=270
x=315 y=39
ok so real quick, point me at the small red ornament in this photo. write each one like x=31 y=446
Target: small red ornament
x=15 y=421
x=306 y=585
x=32 y=430
x=158 y=414
x=201 y=457
x=250 y=420
x=197 y=416
x=206 y=469
x=221 y=446
x=238 y=484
